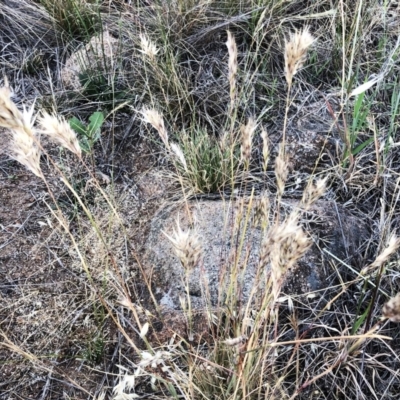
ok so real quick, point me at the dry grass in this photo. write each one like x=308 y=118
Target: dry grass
x=226 y=86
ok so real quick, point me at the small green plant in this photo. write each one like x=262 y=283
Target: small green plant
x=79 y=19
x=90 y=134
x=97 y=88
x=209 y=161
x=351 y=133
x=394 y=112
x=94 y=351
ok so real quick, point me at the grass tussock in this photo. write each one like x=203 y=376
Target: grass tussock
x=224 y=100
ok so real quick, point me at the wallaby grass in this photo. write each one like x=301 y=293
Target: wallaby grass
x=225 y=97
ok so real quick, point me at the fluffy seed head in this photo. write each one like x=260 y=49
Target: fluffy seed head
x=393 y=245
x=155 y=119
x=281 y=171
x=232 y=65
x=153 y=360
x=313 y=192
x=283 y=246
x=261 y=212
x=296 y=52
x=179 y=154
x=247 y=137
x=187 y=246
x=59 y=130
x=264 y=137
x=391 y=310
x=24 y=148
x=148 y=48
x=235 y=341
x=10 y=116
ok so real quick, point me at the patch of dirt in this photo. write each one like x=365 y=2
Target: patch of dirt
x=54 y=335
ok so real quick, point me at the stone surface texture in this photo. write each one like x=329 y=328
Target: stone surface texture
x=333 y=230
x=101 y=50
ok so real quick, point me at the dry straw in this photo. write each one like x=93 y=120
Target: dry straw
x=296 y=51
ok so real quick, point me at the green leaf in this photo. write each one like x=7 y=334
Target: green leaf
x=96 y=121
x=85 y=144
x=77 y=126
x=360 y=320
x=362 y=146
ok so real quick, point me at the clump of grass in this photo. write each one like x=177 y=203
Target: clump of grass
x=78 y=18
x=241 y=359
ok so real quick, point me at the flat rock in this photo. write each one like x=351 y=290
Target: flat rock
x=230 y=245
x=96 y=55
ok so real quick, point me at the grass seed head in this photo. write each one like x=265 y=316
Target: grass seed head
x=187 y=247
x=393 y=245
x=284 y=245
x=261 y=213
x=313 y=192
x=247 y=137
x=25 y=151
x=155 y=119
x=232 y=65
x=391 y=310
x=24 y=148
x=148 y=48
x=179 y=154
x=281 y=171
x=10 y=116
x=265 y=151
x=296 y=51
x=59 y=130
